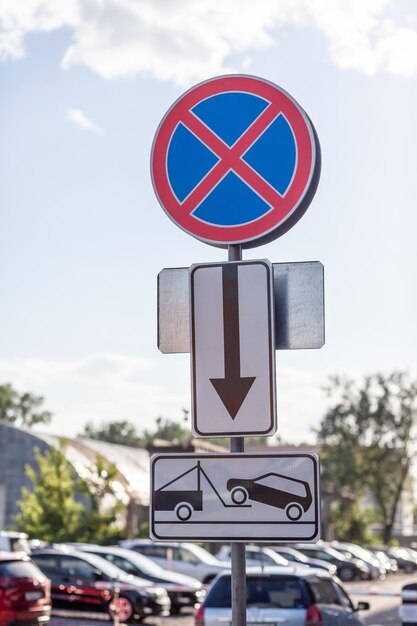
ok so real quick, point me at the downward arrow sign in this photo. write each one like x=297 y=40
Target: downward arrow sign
x=233 y=388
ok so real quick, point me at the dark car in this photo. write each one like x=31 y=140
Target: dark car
x=25 y=592
x=346 y=570
x=183 y=590
x=356 y=553
x=389 y=563
x=282 y=492
x=86 y=582
x=295 y=556
x=406 y=560
x=295 y=596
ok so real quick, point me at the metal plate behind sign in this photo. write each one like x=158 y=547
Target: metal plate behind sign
x=235 y=497
x=298 y=305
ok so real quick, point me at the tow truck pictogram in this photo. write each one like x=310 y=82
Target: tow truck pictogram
x=185 y=501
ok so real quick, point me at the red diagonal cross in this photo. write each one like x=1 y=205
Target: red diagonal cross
x=230 y=159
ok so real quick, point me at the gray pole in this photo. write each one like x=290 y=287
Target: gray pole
x=237 y=444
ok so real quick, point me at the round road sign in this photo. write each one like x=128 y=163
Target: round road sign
x=235 y=160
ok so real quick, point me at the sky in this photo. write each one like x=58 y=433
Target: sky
x=84 y=85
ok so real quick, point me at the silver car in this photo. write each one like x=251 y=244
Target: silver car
x=294 y=596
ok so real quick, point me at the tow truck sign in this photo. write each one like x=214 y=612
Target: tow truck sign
x=235 y=497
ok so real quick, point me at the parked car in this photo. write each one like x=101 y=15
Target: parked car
x=351 y=550
x=408 y=609
x=388 y=563
x=12 y=541
x=405 y=560
x=183 y=590
x=346 y=570
x=261 y=557
x=86 y=582
x=186 y=558
x=296 y=557
x=411 y=552
x=25 y=592
x=295 y=596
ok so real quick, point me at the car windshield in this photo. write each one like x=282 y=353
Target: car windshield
x=261 y=591
x=113 y=572
x=278 y=559
x=202 y=554
x=147 y=566
x=294 y=555
x=20 y=569
x=359 y=552
x=335 y=553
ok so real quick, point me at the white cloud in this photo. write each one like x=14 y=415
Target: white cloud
x=98 y=387
x=79 y=118
x=19 y=18
x=106 y=387
x=185 y=40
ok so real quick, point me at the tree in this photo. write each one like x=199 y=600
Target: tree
x=100 y=519
x=21 y=409
x=366 y=439
x=121 y=432
x=124 y=432
x=50 y=512
x=169 y=430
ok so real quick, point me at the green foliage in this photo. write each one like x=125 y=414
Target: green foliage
x=176 y=432
x=49 y=512
x=366 y=438
x=143 y=530
x=351 y=522
x=21 y=409
x=169 y=430
x=121 y=432
x=100 y=521
x=124 y=432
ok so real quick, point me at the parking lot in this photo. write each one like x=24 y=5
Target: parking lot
x=383 y=612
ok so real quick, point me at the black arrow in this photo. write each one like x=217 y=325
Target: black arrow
x=233 y=388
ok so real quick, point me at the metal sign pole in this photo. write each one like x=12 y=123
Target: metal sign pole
x=237 y=444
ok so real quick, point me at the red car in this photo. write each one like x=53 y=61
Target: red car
x=25 y=593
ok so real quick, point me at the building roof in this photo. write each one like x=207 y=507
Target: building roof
x=132 y=463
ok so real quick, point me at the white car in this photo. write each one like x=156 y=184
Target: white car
x=11 y=541
x=408 y=608
x=186 y=558
x=294 y=596
x=260 y=557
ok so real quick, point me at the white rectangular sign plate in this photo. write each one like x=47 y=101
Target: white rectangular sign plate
x=235 y=497
x=232 y=349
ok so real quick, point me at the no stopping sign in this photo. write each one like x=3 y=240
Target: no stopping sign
x=235 y=160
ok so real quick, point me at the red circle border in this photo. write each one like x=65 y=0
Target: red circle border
x=297 y=197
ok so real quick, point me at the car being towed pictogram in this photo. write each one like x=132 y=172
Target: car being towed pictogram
x=290 y=494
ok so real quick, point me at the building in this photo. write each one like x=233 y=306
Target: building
x=17 y=449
